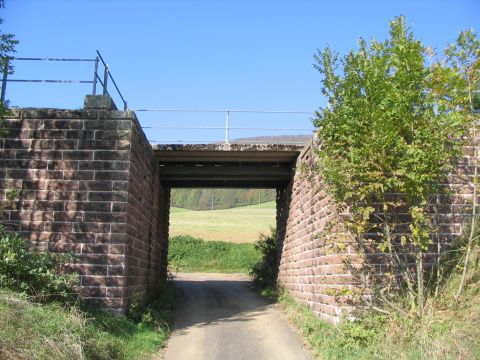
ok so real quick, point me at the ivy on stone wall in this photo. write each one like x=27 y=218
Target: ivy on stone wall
x=394 y=122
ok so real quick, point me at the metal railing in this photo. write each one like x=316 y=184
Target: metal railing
x=96 y=77
x=103 y=78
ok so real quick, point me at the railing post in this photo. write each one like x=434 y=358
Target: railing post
x=95 y=76
x=105 y=80
x=227 y=126
x=4 y=80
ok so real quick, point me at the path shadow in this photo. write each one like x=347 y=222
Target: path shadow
x=204 y=302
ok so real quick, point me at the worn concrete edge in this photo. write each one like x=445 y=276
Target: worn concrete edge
x=227 y=147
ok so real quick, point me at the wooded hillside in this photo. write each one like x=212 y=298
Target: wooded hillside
x=211 y=199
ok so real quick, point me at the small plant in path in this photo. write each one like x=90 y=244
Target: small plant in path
x=265 y=271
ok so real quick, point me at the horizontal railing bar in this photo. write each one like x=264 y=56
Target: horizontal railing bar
x=95 y=78
x=225 y=111
x=51 y=59
x=220 y=128
x=53 y=81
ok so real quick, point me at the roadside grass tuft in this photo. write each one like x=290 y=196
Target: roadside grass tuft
x=186 y=253
x=328 y=341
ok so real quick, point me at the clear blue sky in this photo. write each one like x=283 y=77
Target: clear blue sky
x=232 y=54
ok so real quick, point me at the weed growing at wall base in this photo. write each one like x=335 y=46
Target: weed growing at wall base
x=31 y=272
x=450 y=331
x=328 y=341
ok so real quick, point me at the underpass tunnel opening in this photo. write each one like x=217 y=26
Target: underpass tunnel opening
x=215 y=229
x=204 y=183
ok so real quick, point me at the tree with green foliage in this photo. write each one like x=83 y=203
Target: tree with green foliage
x=463 y=58
x=393 y=125
x=7 y=47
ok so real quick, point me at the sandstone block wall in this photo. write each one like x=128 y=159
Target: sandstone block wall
x=89 y=185
x=147 y=218
x=311 y=266
x=318 y=263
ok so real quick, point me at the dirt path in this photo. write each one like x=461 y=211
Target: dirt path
x=220 y=318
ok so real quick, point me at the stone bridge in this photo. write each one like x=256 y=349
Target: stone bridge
x=92 y=184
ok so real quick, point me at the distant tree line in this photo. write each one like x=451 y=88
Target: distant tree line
x=208 y=199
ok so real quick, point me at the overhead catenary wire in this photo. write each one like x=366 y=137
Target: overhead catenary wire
x=239 y=141
x=222 y=128
x=49 y=59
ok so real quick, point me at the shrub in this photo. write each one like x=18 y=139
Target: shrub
x=31 y=272
x=186 y=253
x=265 y=271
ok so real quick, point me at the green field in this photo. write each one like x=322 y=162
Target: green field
x=239 y=225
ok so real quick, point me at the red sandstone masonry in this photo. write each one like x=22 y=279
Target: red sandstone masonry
x=313 y=269
x=147 y=218
x=88 y=184
x=306 y=266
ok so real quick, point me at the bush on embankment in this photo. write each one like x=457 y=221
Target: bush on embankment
x=28 y=271
x=41 y=318
x=186 y=253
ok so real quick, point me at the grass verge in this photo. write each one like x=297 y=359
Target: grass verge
x=451 y=331
x=52 y=331
x=327 y=341
x=186 y=253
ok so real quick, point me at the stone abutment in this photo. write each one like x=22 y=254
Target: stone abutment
x=319 y=263
x=89 y=184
